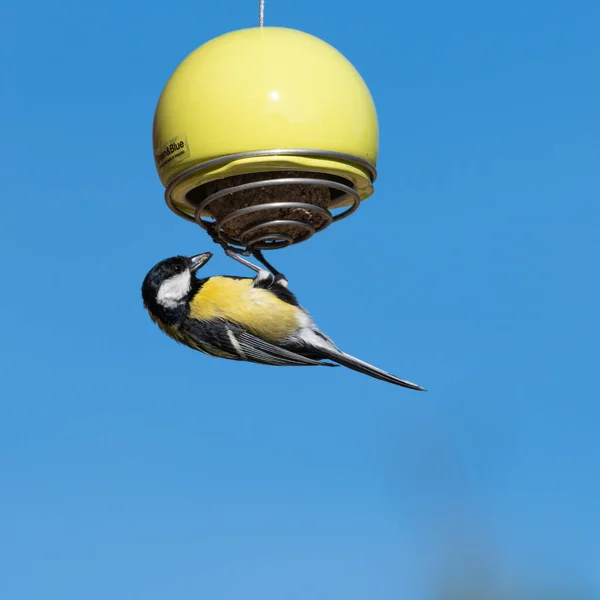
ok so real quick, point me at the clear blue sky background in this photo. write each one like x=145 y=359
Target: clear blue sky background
x=132 y=467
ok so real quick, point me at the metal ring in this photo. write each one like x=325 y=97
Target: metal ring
x=349 y=210
x=253 y=241
x=275 y=205
x=273 y=183
x=266 y=183
x=178 y=211
x=259 y=242
x=248 y=210
x=281 y=240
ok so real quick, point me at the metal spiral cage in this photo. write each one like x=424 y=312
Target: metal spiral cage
x=271 y=209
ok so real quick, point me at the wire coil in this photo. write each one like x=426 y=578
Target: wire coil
x=268 y=210
x=263 y=234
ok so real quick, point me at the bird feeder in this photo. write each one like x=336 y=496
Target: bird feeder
x=265 y=136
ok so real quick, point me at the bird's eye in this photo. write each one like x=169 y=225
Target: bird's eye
x=178 y=268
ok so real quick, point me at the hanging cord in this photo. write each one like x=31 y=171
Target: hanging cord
x=232 y=251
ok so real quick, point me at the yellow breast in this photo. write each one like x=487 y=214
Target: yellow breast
x=259 y=311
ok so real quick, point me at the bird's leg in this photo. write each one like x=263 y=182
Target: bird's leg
x=230 y=251
x=236 y=253
x=243 y=261
x=262 y=275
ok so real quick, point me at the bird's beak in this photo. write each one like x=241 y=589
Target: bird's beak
x=199 y=260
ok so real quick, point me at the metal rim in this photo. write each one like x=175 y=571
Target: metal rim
x=303 y=152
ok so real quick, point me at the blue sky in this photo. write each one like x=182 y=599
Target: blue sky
x=134 y=468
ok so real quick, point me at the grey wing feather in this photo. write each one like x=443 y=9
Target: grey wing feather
x=261 y=351
x=234 y=340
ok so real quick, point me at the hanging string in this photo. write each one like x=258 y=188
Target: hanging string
x=261 y=13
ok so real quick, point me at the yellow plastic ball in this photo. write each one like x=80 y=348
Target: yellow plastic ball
x=264 y=89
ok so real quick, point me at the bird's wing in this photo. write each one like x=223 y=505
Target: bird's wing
x=312 y=342
x=229 y=338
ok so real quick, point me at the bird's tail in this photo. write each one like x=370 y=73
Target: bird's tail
x=362 y=367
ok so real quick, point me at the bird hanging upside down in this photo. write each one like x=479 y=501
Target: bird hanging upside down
x=257 y=320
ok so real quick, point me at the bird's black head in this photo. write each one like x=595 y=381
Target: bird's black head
x=169 y=285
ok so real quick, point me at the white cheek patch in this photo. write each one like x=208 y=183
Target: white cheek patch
x=174 y=290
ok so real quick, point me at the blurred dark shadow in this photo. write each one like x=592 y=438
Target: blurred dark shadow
x=432 y=486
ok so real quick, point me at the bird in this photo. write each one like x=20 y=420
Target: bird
x=255 y=319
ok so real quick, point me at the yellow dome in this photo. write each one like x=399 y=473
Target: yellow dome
x=259 y=100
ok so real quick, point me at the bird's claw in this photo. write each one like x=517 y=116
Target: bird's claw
x=265 y=276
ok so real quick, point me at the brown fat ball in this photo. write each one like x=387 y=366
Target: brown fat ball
x=308 y=194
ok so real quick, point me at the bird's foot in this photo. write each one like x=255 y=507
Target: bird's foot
x=236 y=254
x=279 y=277
x=266 y=279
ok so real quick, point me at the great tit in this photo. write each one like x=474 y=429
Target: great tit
x=251 y=319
